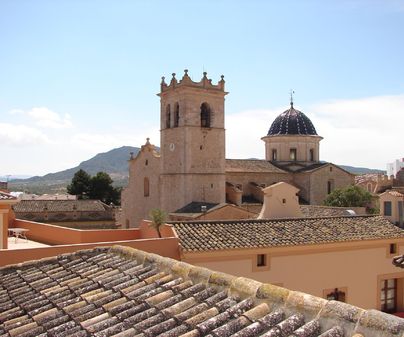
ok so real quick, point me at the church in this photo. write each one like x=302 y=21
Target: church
x=190 y=169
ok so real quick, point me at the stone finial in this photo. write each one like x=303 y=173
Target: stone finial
x=173 y=75
x=163 y=80
x=204 y=74
x=185 y=72
x=147 y=141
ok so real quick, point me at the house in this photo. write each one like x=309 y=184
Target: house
x=392 y=206
x=321 y=256
x=84 y=214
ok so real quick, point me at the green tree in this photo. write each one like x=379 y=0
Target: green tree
x=80 y=184
x=351 y=196
x=158 y=219
x=98 y=187
x=101 y=189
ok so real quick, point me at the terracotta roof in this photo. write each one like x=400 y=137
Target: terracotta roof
x=315 y=211
x=251 y=165
x=60 y=206
x=220 y=235
x=125 y=292
x=6 y=196
x=395 y=193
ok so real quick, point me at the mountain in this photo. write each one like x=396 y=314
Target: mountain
x=114 y=162
x=361 y=170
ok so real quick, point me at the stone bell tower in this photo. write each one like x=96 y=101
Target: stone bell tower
x=192 y=142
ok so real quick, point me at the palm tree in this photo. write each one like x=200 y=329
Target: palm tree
x=158 y=218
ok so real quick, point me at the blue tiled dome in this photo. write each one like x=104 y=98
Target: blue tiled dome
x=292 y=122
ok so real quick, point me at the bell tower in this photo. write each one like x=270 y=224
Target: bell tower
x=192 y=140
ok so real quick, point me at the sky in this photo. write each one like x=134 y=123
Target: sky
x=80 y=77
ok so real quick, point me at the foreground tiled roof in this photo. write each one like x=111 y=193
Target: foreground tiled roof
x=398 y=261
x=251 y=165
x=123 y=292
x=60 y=206
x=395 y=193
x=6 y=196
x=219 y=235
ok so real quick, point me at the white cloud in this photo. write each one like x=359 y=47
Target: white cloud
x=46 y=118
x=21 y=135
x=360 y=132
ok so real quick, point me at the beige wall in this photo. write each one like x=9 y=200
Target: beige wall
x=394 y=218
x=283 y=144
x=314 y=184
x=280 y=201
x=358 y=267
x=135 y=205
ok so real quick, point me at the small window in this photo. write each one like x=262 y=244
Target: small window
x=330 y=168
x=205 y=115
x=393 y=248
x=283 y=201
x=177 y=115
x=330 y=186
x=293 y=154
x=146 y=162
x=387 y=208
x=261 y=260
x=311 y=155
x=211 y=185
x=200 y=147
x=168 y=116
x=146 y=187
x=274 y=154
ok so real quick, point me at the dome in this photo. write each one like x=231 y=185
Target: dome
x=292 y=122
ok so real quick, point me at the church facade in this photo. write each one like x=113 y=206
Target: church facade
x=191 y=169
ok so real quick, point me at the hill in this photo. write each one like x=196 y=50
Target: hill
x=361 y=170
x=114 y=162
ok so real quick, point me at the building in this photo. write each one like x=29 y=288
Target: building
x=191 y=166
x=125 y=292
x=394 y=167
x=350 y=256
x=392 y=206
x=84 y=214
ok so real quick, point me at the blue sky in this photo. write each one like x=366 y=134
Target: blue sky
x=80 y=77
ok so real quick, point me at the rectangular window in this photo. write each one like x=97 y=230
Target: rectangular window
x=293 y=154
x=311 y=155
x=330 y=186
x=274 y=154
x=261 y=260
x=393 y=248
x=388 y=295
x=387 y=208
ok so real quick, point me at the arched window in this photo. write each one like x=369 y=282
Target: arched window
x=146 y=187
x=274 y=155
x=177 y=115
x=205 y=115
x=311 y=155
x=168 y=116
x=293 y=154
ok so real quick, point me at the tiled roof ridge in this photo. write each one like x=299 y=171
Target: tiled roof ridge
x=311 y=307
x=256 y=221
x=256 y=301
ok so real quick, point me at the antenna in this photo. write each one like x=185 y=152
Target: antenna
x=291 y=97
